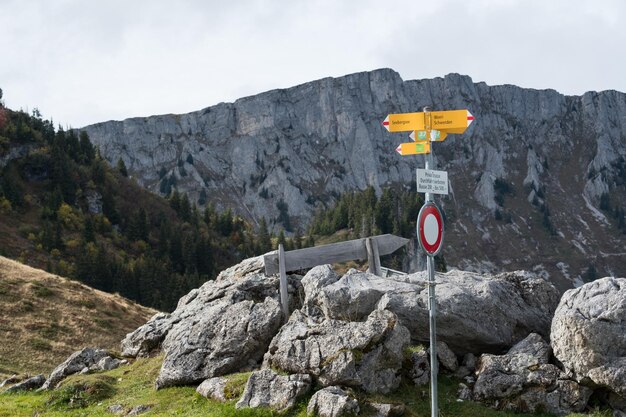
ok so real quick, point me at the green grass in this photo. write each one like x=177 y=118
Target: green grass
x=129 y=386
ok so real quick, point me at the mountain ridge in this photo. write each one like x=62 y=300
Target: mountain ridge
x=530 y=158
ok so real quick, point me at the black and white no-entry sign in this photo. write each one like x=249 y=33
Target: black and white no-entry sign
x=430 y=228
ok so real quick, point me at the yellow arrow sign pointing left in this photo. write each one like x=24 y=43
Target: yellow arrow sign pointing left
x=413 y=148
x=404 y=122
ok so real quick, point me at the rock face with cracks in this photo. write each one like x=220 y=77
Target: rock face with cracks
x=225 y=325
x=266 y=388
x=292 y=143
x=589 y=334
x=523 y=380
x=476 y=313
x=352 y=331
x=332 y=402
x=365 y=354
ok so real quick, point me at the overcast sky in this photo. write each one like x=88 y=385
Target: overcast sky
x=83 y=62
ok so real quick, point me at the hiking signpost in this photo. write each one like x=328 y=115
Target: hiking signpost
x=427 y=127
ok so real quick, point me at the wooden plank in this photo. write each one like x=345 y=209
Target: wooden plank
x=373 y=259
x=370 y=254
x=377 y=270
x=284 y=293
x=335 y=252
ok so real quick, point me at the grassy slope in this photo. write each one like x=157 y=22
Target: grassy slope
x=44 y=318
x=134 y=385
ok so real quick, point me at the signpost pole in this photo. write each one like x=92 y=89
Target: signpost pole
x=432 y=302
x=427 y=127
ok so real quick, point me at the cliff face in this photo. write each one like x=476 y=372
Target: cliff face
x=526 y=178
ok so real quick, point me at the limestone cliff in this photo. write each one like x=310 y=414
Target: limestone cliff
x=526 y=178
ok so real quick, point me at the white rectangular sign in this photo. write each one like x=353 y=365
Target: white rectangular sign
x=431 y=181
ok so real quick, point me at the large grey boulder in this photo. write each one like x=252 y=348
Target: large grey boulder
x=75 y=363
x=148 y=337
x=266 y=388
x=332 y=402
x=365 y=354
x=524 y=381
x=226 y=326
x=242 y=269
x=227 y=286
x=312 y=283
x=589 y=333
x=476 y=313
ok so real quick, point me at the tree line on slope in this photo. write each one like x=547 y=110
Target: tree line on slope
x=74 y=215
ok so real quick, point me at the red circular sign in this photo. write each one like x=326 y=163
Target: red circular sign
x=430 y=228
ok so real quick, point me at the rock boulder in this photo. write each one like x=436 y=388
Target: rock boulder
x=589 y=334
x=227 y=325
x=476 y=313
x=332 y=402
x=86 y=358
x=365 y=354
x=266 y=388
x=524 y=381
x=29 y=384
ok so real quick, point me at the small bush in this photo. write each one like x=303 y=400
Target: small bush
x=41 y=290
x=235 y=385
x=40 y=344
x=82 y=392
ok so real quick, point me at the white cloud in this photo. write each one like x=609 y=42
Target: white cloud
x=84 y=62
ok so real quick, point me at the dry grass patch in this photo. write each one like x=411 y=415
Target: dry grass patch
x=44 y=318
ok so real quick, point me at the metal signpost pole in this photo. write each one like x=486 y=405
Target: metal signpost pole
x=427 y=127
x=432 y=303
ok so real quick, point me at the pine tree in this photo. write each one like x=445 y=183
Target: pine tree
x=87 y=152
x=264 y=242
x=185 y=208
x=89 y=234
x=281 y=240
x=121 y=167
x=175 y=201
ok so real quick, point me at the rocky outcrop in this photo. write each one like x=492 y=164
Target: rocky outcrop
x=86 y=358
x=28 y=384
x=242 y=269
x=524 y=381
x=266 y=388
x=219 y=328
x=314 y=141
x=364 y=354
x=225 y=327
x=332 y=402
x=148 y=337
x=476 y=313
x=589 y=334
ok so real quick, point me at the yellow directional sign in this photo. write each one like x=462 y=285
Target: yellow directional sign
x=404 y=122
x=450 y=121
x=413 y=148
